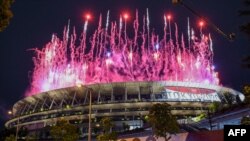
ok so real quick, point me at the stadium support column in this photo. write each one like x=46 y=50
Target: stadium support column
x=34 y=108
x=126 y=94
x=51 y=105
x=139 y=93
x=141 y=122
x=112 y=97
x=152 y=96
x=112 y=94
x=99 y=96
x=86 y=96
x=73 y=100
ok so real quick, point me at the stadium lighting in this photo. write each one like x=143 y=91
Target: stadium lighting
x=9 y=112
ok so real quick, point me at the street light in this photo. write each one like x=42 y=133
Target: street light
x=9 y=112
x=90 y=108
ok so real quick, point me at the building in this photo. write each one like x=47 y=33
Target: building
x=125 y=102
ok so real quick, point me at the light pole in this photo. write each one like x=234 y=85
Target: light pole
x=209 y=119
x=87 y=18
x=90 y=109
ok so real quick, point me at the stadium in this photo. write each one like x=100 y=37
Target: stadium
x=120 y=77
x=126 y=102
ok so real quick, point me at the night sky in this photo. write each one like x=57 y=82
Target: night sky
x=34 y=22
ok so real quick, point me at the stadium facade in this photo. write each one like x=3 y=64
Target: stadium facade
x=125 y=102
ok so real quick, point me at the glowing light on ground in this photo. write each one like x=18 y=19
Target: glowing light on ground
x=110 y=55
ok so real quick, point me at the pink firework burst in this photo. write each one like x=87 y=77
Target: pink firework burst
x=113 y=56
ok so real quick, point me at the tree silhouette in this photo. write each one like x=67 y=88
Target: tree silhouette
x=106 y=125
x=10 y=138
x=246 y=92
x=162 y=121
x=64 y=131
x=245 y=120
x=245 y=28
x=5 y=13
x=6 y=133
x=214 y=107
x=125 y=126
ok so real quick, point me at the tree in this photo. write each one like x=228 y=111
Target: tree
x=245 y=121
x=107 y=137
x=23 y=132
x=64 y=131
x=246 y=29
x=214 y=107
x=5 y=13
x=31 y=137
x=125 y=126
x=106 y=126
x=10 y=138
x=162 y=121
x=6 y=133
x=246 y=92
x=96 y=129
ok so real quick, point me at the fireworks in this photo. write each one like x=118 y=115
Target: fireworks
x=110 y=55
